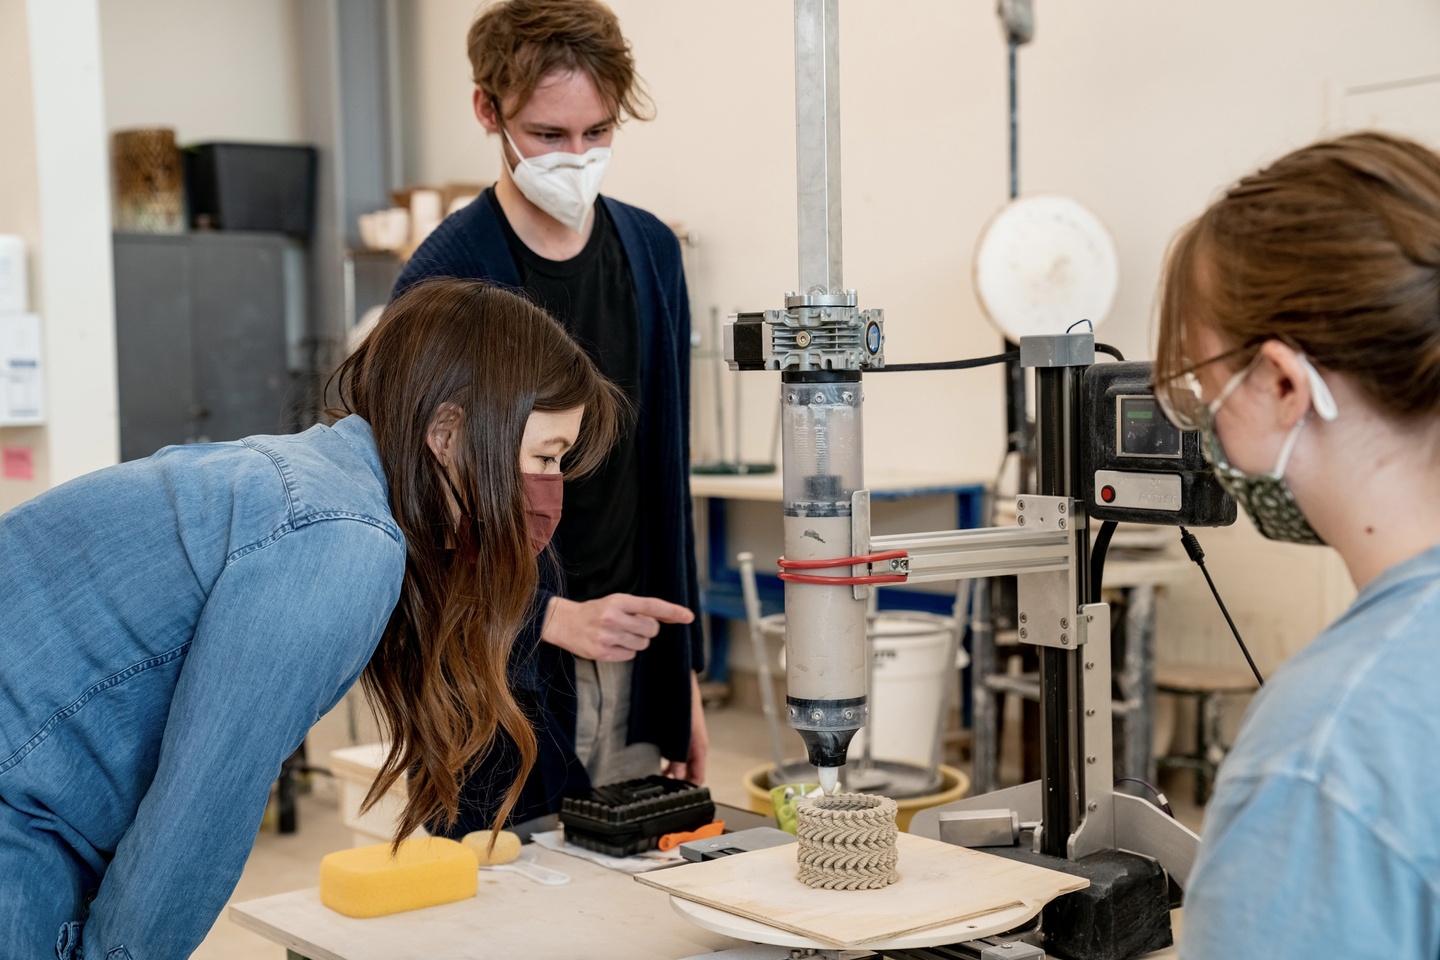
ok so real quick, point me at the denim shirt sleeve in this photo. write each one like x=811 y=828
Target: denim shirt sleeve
x=1288 y=871
x=285 y=631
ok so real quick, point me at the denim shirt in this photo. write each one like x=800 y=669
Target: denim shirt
x=1323 y=838
x=170 y=628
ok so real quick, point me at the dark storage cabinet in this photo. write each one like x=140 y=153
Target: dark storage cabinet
x=210 y=331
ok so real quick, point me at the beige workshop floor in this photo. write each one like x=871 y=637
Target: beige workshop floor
x=277 y=864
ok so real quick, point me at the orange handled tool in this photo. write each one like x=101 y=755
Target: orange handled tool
x=672 y=840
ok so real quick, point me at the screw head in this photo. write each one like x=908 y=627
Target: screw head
x=819 y=397
x=1090 y=712
x=1064 y=623
x=1020 y=520
x=802 y=338
x=1019 y=504
x=1093 y=806
x=848 y=396
x=1062 y=508
x=1062 y=523
x=849 y=714
x=1089 y=759
x=1024 y=633
x=1089 y=664
x=790 y=397
x=816 y=715
x=1022 y=618
x=1064 y=639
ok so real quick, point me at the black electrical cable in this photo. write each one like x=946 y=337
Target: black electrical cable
x=1097 y=558
x=1160 y=799
x=1113 y=351
x=1192 y=547
x=948 y=364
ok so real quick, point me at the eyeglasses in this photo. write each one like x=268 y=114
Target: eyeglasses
x=1179 y=398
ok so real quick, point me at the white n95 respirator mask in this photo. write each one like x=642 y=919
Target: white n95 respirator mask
x=564 y=185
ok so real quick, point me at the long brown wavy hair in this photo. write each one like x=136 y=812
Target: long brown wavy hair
x=437 y=681
x=1335 y=249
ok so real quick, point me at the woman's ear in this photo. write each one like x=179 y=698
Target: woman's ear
x=444 y=433
x=1286 y=382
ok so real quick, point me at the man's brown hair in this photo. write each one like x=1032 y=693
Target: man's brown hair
x=514 y=45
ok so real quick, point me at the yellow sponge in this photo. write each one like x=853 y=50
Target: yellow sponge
x=507 y=847
x=368 y=882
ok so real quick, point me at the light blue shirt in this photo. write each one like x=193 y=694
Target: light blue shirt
x=1323 y=838
x=169 y=630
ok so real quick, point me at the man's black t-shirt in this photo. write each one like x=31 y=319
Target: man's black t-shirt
x=593 y=296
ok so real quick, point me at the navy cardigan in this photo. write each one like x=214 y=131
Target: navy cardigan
x=470 y=244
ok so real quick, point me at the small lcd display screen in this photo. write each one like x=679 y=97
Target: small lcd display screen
x=1144 y=431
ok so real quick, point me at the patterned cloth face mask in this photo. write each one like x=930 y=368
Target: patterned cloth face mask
x=1266 y=497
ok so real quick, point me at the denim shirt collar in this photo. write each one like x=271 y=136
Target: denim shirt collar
x=356 y=432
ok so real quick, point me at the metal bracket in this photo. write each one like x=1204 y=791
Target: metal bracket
x=1047 y=615
x=1097 y=828
x=860 y=539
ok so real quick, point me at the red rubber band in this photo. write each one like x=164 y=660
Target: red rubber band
x=841 y=561
x=843 y=581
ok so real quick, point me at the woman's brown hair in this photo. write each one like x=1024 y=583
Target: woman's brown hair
x=515 y=44
x=1334 y=248
x=438 y=679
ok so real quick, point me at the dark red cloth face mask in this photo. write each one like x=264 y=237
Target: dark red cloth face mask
x=544 y=494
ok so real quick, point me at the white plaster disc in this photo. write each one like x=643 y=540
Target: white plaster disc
x=743 y=928
x=1044 y=263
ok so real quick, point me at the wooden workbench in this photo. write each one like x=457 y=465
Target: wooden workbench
x=599 y=915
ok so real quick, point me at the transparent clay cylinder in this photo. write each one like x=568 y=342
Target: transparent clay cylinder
x=824 y=625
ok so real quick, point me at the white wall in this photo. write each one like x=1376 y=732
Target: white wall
x=1142 y=110
x=20 y=212
x=211 y=69
x=74 y=256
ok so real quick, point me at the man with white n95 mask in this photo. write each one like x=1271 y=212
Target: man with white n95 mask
x=609 y=669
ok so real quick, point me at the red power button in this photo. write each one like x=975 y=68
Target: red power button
x=1107 y=493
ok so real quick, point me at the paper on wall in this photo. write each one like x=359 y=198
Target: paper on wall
x=22 y=386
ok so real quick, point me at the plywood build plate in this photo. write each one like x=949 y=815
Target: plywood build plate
x=939 y=884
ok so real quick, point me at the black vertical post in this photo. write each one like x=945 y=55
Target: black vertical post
x=1062 y=773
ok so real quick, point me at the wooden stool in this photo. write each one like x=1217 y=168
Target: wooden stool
x=1206 y=685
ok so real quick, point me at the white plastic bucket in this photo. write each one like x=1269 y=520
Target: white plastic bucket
x=909 y=678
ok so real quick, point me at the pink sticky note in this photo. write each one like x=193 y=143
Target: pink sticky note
x=17 y=463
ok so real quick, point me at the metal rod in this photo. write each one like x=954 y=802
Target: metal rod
x=715 y=345
x=817 y=143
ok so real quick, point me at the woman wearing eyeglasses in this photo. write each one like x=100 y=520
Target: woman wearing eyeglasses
x=1300 y=331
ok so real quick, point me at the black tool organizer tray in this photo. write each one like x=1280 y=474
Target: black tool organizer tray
x=627 y=818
